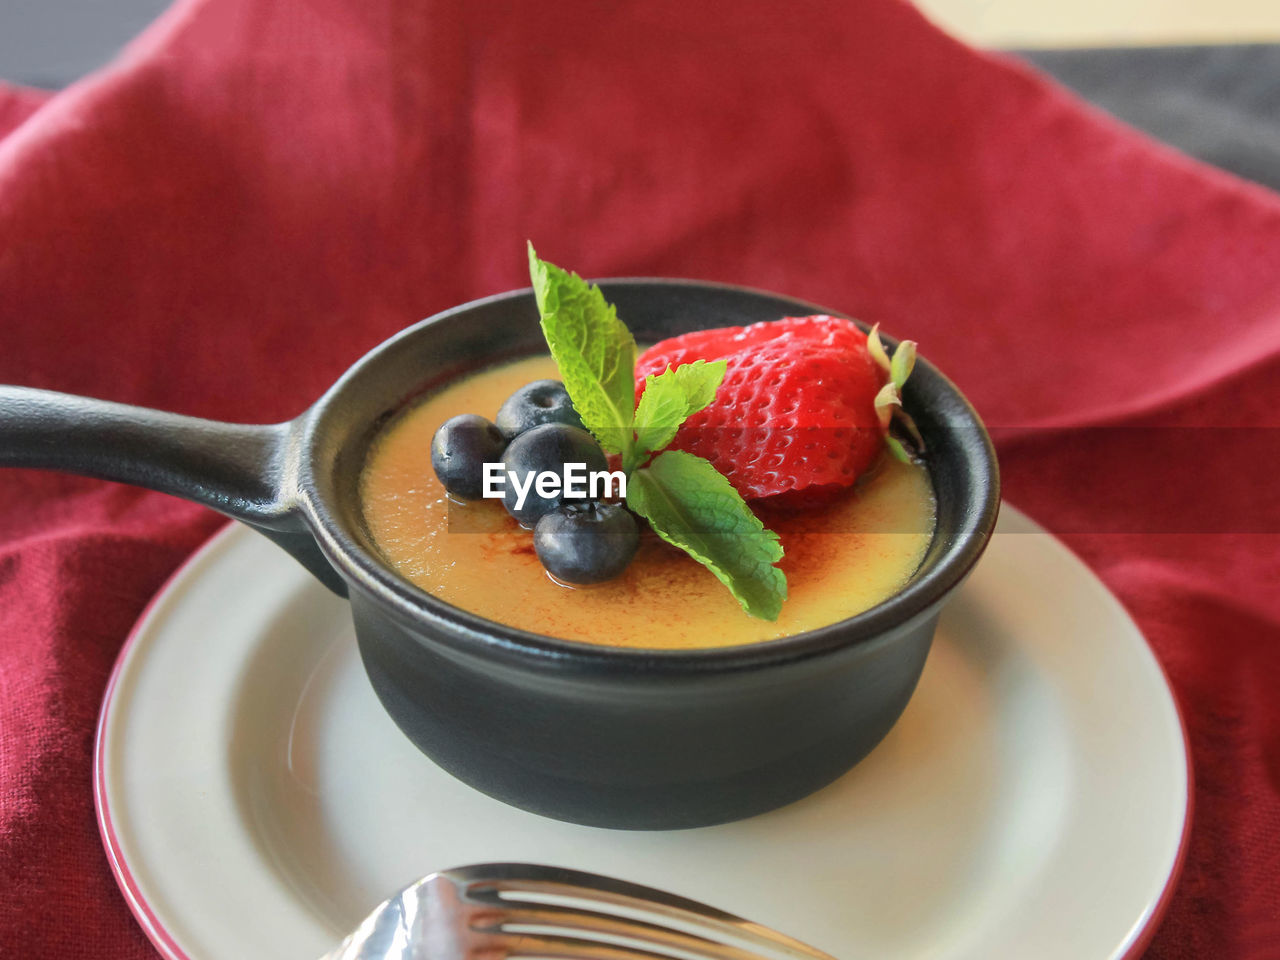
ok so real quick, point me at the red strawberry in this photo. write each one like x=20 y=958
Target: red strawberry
x=796 y=412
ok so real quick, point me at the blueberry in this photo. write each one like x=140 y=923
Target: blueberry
x=543 y=401
x=586 y=542
x=545 y=449
x=460 y=449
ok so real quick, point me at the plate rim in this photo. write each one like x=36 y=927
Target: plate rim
x=153 y=928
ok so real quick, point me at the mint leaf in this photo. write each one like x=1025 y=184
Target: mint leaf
x=671 y=396
x=685 y=499
x=594 y=350
x=691 y=505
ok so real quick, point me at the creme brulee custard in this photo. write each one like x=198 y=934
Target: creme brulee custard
x=841 y=559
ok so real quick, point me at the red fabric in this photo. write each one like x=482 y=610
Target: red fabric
x=256 y=193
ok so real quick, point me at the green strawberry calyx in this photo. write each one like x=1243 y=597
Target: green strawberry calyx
x=900 y=433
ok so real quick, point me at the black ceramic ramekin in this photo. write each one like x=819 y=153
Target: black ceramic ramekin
x=597 y=735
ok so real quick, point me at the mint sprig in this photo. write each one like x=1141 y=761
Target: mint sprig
x=689 y=503
x=594 y=350
x=672 y=397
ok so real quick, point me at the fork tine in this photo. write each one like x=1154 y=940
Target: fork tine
x=548 y=918
x=530 y=882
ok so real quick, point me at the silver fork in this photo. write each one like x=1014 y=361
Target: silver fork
x=494 y=911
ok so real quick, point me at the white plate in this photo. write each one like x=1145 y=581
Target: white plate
x=256 y=801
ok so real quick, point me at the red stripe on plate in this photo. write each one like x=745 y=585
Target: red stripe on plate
x=142 y=911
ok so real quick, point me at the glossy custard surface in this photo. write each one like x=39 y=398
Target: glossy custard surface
x=841 y=559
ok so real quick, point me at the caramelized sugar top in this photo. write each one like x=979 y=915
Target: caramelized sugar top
x=841 y=559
